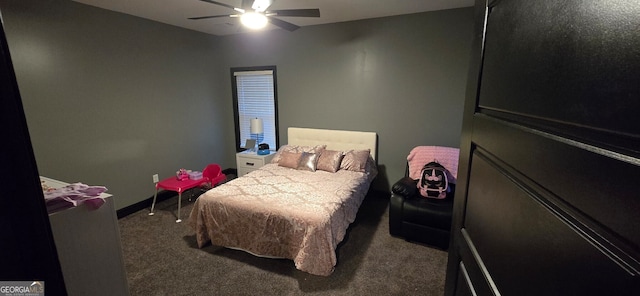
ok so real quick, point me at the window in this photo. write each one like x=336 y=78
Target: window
x=255 y=96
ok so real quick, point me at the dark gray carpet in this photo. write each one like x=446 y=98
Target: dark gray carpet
x=161 y=258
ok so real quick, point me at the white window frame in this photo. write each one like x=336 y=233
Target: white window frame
x=255 y=96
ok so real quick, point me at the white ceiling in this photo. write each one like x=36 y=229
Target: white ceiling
x=177 y=12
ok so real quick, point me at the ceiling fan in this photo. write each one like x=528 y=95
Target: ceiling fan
x=254 y=14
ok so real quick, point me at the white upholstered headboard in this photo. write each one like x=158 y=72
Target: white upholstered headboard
x=334 y=139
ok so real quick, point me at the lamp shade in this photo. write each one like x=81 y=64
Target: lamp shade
x=256 y=126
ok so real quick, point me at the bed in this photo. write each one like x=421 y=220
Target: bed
x=285 y=210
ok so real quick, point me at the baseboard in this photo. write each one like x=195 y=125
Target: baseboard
x=162 y=196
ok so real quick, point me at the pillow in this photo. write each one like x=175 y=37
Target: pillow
x=296 y=149
x=355 y=160
x=330 y=160
x=289 y=159
x=308 y=161
x=371 y=168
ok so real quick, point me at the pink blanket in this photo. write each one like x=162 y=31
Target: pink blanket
x=282 y=212
x=421 y=155
x=72 y=195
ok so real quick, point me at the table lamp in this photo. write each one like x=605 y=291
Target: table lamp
x=257 y=129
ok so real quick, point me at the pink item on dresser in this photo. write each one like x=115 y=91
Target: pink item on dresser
x=421 y=155
x=73 y=195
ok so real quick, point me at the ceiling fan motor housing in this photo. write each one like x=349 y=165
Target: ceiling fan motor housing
x=261 y=5
x=260 y=16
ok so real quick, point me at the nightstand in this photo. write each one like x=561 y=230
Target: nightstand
x=248 y=161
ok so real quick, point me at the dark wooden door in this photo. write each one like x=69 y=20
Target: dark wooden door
x=547 y=200
x=27 y=250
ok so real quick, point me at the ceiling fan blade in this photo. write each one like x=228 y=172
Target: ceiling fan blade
x=210 y=16
x=282 y=24
x=218 y=3
x=224 y=4
x=296 y=12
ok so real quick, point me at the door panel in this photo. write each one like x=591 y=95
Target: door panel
x=546 y=201
x=465 y=288
x=516 y=235
x=577 y=177
x=566 y=62
x=27 y=249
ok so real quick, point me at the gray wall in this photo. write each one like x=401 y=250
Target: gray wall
x=111 y=99
x=402 y=77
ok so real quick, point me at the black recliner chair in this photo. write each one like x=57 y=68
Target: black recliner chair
x=419 y=219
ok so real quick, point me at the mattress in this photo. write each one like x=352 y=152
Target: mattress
x=283 y=212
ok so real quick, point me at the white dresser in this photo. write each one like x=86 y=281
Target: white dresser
x=248 y=161
x=89 y=248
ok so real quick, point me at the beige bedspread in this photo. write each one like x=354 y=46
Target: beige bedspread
x=282 y=212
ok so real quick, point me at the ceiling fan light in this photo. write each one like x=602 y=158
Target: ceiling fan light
x=254 y=20
x=261 y=5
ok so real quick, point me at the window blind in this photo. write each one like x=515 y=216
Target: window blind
x=256 y=100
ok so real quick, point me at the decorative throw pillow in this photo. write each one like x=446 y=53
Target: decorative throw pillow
x=308 y=161
x=296 y=149
x=330 y=160
x=276 y=156
x=355 y=160
x=371 y=167
x=289 y=159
